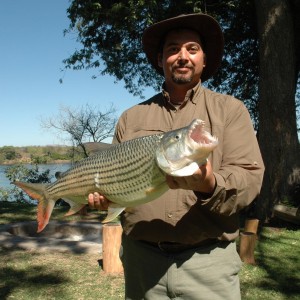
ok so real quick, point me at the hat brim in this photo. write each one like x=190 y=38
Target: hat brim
x=210 y=33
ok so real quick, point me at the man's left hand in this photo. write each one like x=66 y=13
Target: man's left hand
x=203 y=180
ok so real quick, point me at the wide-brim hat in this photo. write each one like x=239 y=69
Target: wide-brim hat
x=210 y=33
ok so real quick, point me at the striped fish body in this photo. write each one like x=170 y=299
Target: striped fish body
x=126 y=174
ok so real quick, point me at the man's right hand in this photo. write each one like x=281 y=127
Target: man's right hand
x=97 y=201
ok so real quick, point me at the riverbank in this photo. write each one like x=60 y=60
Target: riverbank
x=53 y=167
x=54 y=154
x=54 y=162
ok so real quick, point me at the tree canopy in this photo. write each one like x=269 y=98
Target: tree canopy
x=110 y=34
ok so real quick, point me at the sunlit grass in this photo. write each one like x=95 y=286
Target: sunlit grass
x=277 y=274
x=33 y=275
x=12 y=212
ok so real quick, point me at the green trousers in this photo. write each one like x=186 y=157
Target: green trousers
x=205 y=273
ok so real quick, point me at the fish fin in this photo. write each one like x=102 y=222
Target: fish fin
x=113 y=212
x=34 y=190
x=93 y=147
x=74 y=207
x=45 y=208
x=186 y=171
x=130 y=210
x=45 y=204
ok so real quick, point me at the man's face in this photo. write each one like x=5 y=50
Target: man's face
x=182 y=58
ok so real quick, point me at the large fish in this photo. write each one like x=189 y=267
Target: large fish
x=128 y=174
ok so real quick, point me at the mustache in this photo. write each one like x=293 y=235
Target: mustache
x=182 y=66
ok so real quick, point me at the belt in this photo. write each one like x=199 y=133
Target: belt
x=171 y=247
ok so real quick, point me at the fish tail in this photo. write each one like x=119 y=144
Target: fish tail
x=45 y=203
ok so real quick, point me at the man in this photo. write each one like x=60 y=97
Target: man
x=181 y=245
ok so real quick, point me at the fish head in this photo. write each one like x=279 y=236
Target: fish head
x=181 y=151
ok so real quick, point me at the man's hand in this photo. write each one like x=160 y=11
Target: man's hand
x=203 y=180
x=98 y=201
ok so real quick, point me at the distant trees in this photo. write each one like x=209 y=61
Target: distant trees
x=35 y=154
x=8 y=153
x=83 y=125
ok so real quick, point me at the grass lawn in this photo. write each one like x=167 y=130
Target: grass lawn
x=277 y=274
x=46 y=275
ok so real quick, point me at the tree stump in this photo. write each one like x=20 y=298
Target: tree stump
x=251 y=225
x=111 y=243
x=247 y=246
x=248 y=241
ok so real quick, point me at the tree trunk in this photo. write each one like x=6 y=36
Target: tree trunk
x=277 y=114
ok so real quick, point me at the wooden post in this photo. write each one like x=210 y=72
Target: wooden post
x=111 y=243
x=251 y=225
x=248 y=241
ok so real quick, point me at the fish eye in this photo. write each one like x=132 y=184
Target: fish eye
x=177 y=137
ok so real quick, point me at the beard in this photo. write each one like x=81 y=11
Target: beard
x=182 y=78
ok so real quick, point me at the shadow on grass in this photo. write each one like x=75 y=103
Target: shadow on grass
x=30 y=280
x=278 y=257
x=76 y=237
x=12 y=212
x=16 y=212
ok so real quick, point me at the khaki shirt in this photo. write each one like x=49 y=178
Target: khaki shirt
x=185 y=216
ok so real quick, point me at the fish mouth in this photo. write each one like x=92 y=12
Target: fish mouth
x=180 y=152
x=199 y=137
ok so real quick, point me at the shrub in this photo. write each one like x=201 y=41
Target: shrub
x=22 y=173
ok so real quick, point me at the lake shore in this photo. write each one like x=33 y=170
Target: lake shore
x=57 y=166
x=38 y=155
x=16 y=162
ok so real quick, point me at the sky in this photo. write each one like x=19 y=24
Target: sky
x=33 y=47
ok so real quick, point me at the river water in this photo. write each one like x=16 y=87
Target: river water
x=5 y=183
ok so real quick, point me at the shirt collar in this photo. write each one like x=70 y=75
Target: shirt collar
x=188 y=97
